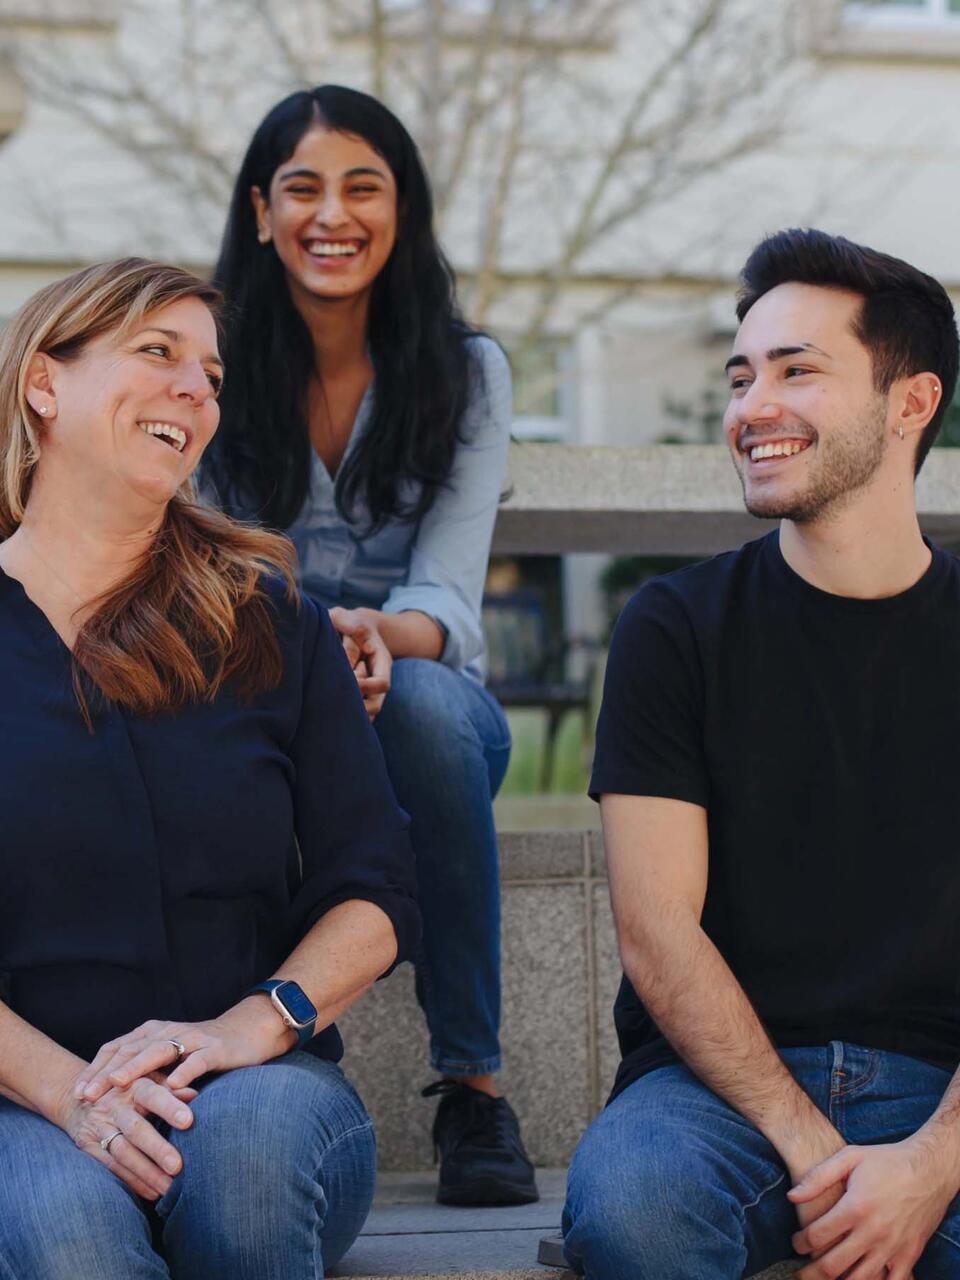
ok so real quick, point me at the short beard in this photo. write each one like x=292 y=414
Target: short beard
x=846 y=464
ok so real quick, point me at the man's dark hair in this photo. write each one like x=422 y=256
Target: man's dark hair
x=907 y=321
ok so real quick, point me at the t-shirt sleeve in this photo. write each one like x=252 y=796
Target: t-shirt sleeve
x=353 y=836
x=650 y=730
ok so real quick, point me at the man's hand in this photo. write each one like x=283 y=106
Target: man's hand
x=368 y=654
x=895 y=1197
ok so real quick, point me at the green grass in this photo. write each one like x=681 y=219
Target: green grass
x=570 y=769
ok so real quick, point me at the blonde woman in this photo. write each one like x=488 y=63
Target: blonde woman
x=182 y=919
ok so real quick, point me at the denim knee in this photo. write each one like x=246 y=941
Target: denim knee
x=278 y=1165
x=645 y=1205
x=424 y=704
x=64 y=1215
x=617 y=1214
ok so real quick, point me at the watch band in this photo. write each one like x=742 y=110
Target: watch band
x=279 y=988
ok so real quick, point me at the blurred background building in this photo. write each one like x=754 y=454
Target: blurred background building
x=601 y=169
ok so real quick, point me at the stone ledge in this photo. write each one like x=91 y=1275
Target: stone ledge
x=661 y=500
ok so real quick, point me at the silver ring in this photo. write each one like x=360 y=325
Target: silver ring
x=181 y=1049
x=105 y=1142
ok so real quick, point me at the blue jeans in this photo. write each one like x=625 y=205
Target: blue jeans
x=278 y=1174
x=670 y=1182
x=447 y=745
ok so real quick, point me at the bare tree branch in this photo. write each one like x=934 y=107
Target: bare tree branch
x=378 y=49
x=496 y=211
x=542 y=151
x=474 y=109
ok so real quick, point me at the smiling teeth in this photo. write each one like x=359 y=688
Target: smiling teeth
x=780 y=450
x=333 y=250
x=173 y=433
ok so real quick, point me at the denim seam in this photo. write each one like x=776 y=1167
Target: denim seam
x=484 y=1067
x=347 y=1133
x=752 y=1204
x=854 y=1086
x=949 y=1239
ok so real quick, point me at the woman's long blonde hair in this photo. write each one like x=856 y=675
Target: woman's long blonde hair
x=192 y=614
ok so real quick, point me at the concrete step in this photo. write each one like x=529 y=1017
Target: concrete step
x=409 y=1235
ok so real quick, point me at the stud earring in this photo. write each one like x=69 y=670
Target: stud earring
x=43 y=408
x=263 y=236
x=900 y=432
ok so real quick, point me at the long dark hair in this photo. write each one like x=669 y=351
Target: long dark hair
x=416 y=337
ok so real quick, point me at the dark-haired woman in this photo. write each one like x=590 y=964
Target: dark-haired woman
x=367 y=421
x=183 y=914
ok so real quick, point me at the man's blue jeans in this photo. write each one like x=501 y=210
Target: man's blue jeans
x=277 y=1179
x=669 y=1182
x=447 y=745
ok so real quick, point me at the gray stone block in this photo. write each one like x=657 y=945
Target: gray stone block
x=608 y=971
x=598 y=860
x=660 y=499
x=544 y=1031
x=546 y=1072
x=387 y=1060
x=540 y=855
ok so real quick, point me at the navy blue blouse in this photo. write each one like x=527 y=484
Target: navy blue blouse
x=159 y=867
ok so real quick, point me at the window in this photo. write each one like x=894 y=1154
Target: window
x=542 y=389
x=13 y=99
x=900 y=12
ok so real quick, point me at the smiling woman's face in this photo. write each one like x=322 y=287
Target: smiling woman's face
x=133 y=413
x=331 y=214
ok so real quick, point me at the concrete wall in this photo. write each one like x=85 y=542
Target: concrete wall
x=560 y=976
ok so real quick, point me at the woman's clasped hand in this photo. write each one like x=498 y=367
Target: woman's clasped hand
x=367 y=653
x=115 y=1125
x=147 y=1074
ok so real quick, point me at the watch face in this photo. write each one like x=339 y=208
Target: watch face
x=296 y=1002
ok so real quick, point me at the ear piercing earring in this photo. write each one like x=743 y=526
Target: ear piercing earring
x=900 y=432
x=263 y=236
x=43 y=408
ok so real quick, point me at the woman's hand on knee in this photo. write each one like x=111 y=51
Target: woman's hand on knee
x=367 y=651
x=117 y=1132
x=245 y=1036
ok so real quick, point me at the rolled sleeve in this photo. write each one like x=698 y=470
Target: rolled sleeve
x=352 y=834
x=448 y=563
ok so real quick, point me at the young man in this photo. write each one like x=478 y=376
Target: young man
x=776 y=766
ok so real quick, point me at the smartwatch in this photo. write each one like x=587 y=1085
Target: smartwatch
x=293 y=1005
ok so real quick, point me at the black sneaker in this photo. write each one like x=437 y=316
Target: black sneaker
x=477 y=1139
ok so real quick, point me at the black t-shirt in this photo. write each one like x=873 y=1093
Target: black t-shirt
x=820 y=733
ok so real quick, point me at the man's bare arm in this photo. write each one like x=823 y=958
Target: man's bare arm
x=657 y=856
